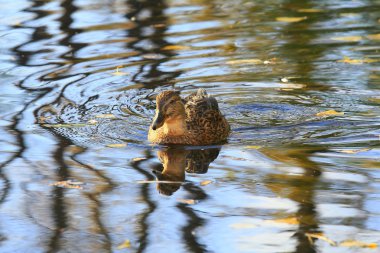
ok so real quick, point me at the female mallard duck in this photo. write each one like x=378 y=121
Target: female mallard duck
x=195 y=120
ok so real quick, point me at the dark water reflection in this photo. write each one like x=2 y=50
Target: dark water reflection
x=79 y=79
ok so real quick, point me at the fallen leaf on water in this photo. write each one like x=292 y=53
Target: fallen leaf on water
x=68 y=184
x=64 y=125
x=253 y=147
x=290 y=19
x=374 y=36
x=354 y=243
x=329 y=113
x=106 y=116
x=292 y=86
x=245 y=61
x=159 y=25
x=349 y=15
x=117 y=145
x=118 y=72
x=175 y=47
x=353 y=151
x=126 y=244
x=153 y=56
x=92 y=122
x=348 y=38
x=290 y=221
x=205 y=182
x=356 y=61
x=187 y=201
x=138 y=159
x=319 y=236
x=310 y=10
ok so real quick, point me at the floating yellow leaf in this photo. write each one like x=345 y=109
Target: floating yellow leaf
x=153 y=56
x=348 y=38
x=329 y=113
x=354 y=243
x=291 y=86
x=374 y=36
x=245 y=61
x=119 y=73
x=290 y=19
x=353 y=151
x=319 y=236
x=205 y=182
x=253 y=147
x=175 y=47
x=310 y=10
x=106 y=116
x=290 y=221
x=92 y=122
x=68 y=184
x=349 y=15
x=356 y=61
x=117 y=145
x=138 y=159
x=187 y=201
x=126 y=244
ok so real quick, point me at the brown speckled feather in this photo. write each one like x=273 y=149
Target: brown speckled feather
x=205 y=124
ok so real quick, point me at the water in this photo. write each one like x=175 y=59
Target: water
x=79 y=79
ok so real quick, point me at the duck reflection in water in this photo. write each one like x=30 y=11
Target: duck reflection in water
x=178 y=160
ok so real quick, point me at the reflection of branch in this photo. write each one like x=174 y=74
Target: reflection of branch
x=94 y=197
x=143 y=222
x=59 y=207
x=194 y=220
x=158 y=22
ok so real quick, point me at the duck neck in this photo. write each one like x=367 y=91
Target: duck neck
x=175 y=126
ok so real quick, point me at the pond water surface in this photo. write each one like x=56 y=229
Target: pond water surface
x=79 y=79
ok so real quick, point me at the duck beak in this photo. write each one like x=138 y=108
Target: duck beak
x=158 y=121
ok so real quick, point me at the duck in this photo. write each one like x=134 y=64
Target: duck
x=194 y=120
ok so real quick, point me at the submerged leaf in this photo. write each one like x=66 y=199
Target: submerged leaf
x=245 y=61
x=92 y=122
x=106 y=116
x=253 y=147
x=348 y=38
x=354 y=243
x=356 y=61
x=290 y=19
x=374 y=36
x=353 y=151
x=310 y=10
x=117 y=145
x=126 y=244
x=290 y=221
x=329 y=113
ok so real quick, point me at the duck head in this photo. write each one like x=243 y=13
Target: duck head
x=170 y=112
